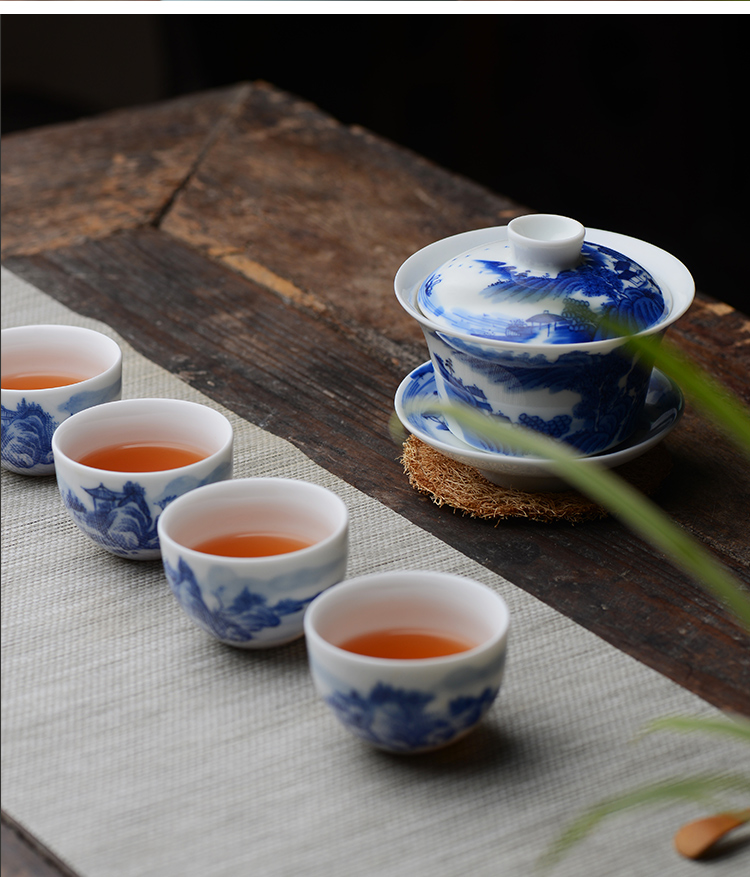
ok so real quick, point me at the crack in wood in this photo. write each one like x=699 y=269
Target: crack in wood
x=232 y=111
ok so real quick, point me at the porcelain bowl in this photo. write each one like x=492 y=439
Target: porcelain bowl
x=589 y=395
x=119 y=511
x=254 y=602
x=417 y=704
x=30 y=417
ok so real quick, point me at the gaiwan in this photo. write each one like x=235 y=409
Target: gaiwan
x=528 y=324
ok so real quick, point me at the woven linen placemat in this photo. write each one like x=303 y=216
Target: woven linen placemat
x=134 y=744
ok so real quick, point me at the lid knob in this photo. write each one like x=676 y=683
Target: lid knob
x=546 y=242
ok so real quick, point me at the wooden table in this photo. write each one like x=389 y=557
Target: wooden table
x=247 y=242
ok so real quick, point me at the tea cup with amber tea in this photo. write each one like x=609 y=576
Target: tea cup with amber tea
x=50 y=372
x=245 y=558
x=408 y=661
x=120 y=464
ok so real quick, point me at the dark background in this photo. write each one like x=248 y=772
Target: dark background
x=629 y=123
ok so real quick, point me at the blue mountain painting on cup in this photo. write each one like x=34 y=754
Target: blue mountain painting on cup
x=27 y=435
x=400 y=720
x=237 y=618
x=121 y=520
x=27 y=429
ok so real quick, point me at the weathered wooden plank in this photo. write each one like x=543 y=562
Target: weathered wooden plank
x=253 y=177
x=302 y=378
x=321 y=212
x=68 y=183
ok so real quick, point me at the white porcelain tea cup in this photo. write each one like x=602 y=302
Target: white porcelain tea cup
x=69 y=368
x=408 y=705
x=118 y=508
x=254 y=601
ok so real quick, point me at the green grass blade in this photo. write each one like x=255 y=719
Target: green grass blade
x=718 y=405
x=721 y=408
x=700 y=789
x=620 y=498
x=735 y=726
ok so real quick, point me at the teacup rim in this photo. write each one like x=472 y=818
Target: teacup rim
x=95 y=411
x=104 y=374
x=230 y=484
x=395 y=577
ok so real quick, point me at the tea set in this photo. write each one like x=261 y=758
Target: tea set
x=519 y=325
x=529 y=324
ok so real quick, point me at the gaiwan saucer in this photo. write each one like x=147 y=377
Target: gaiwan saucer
x=661 y=413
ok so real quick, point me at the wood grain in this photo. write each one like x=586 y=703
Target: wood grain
x=332 y=210
x=67 y=183
x=247 y=243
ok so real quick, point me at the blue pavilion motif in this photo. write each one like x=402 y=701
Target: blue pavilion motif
x=400 y=719
x=122 y=520
x=119 y=521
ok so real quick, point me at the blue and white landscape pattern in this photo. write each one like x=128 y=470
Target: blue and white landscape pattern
x=606 y=295
x=27 y=429
x=399 y=719
x=121 y=520
x=611 y=391
x=238 y=613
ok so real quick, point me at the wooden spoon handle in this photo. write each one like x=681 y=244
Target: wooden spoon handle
x=696 y=837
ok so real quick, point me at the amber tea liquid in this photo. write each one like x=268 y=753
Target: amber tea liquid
x=254 y=544
x=407 y=642
x=142 y=457
x=40 y=380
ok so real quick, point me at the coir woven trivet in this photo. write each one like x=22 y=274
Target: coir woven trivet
x=462 y=487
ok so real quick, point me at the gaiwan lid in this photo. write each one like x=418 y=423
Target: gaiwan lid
x=543 y=285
